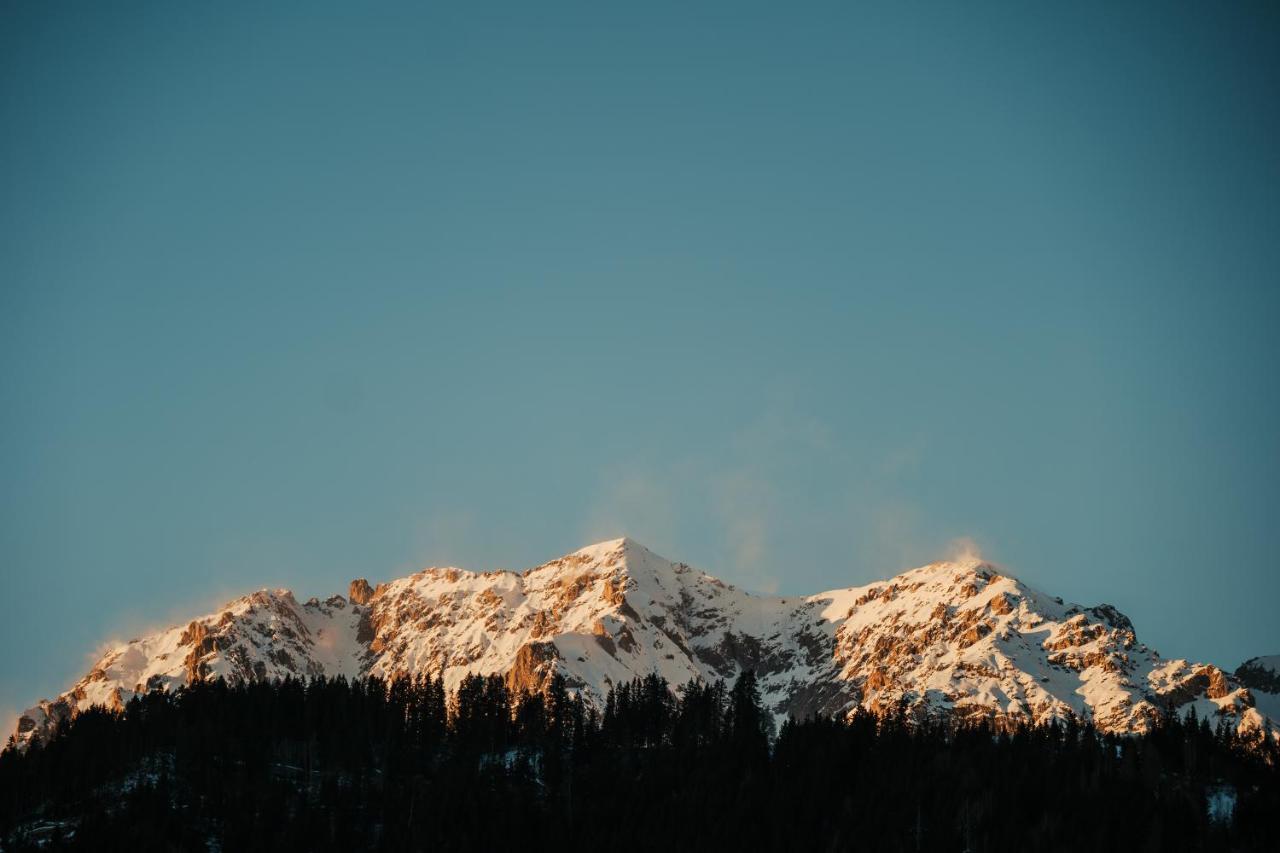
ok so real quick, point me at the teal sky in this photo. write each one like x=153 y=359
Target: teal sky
x=798 y=294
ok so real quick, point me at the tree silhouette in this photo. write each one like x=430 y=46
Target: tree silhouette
x=368 y=764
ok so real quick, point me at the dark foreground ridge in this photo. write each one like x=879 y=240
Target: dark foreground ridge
x=367 y=765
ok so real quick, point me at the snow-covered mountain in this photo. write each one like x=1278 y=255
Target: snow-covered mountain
x=955 y=637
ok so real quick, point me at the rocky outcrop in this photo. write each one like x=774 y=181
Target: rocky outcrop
x=533 y=667
x=1207 y=681
x=360 y=592
x=200 y=644
x=1261 y=673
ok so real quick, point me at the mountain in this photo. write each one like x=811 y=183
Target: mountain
x=1262 y=673
x=959 y=637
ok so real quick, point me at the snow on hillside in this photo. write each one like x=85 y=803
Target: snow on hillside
x=954 y=637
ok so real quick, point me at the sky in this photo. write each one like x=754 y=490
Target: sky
x=803 y=295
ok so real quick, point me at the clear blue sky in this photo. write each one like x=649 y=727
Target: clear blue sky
x=797 y=294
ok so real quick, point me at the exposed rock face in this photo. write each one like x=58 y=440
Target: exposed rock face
x=1207 y=681
x=533 y=667
x=201 y=644
x=958 y=638
x=1262 y=673
x=360 y=592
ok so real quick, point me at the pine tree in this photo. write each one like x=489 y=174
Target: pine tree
x=749 y=726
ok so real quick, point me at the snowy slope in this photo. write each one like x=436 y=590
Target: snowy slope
x=956 y=637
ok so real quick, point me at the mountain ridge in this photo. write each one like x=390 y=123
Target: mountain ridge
x=958 y=637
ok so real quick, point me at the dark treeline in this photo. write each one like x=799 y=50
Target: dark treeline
x=363 y=764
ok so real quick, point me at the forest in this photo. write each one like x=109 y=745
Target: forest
x=365 y=764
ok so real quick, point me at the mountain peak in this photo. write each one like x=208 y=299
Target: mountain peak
x=359 y=592
x=960 y=572
x=624 y=555
x=623 y=546
x=1260 y=673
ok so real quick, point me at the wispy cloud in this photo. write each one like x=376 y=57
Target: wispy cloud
x=636 y=500
x=743 y=502
x=444 y=537
x=8 y=724
x=964 y=549
x=748 y=505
